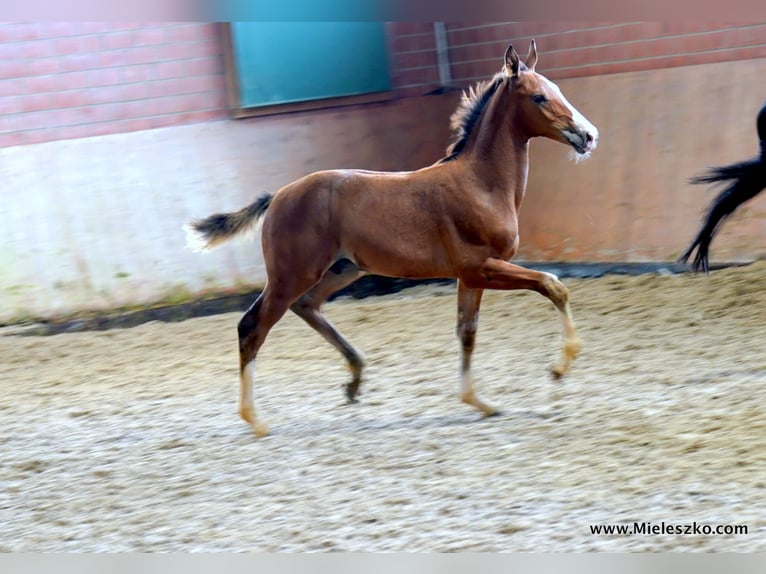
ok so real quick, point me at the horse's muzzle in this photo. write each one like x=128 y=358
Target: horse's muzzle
x=583 y=141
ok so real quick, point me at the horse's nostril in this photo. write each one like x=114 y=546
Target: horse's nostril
x=589 y=137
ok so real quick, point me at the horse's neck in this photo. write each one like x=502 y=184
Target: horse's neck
x=500 y=153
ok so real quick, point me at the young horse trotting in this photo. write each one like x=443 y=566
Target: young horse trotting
x=454 y=219
x=744 y=180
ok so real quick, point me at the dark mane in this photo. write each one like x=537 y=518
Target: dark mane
x=467 y=114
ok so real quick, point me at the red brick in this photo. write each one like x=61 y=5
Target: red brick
x=188 y=50
x=123 y=26
x=163 y=88
x=33 y=49
x=92 y=27
x=32 y=121
x=149 y=36
x=5 y=123
x=42 y=66
x=202 y=66
x=190 y=32
x=131 y=74
x=139 y=55
x=399 y=44
x=71 y=98
x=462 y=37
x=11 y=69
x=76 y=45
x=689 y=27
x=11 y=105
x=47 y=83
x=33 y=103
x=169 y=69
x=133 y=125
x=12 y=87
x=56 y=29
x=15 y=32
x=8 y=51
x=98 y=77
x=110 y=59
x=427 y=76
x=77 y=62
x=743 y=36
x=130 y=92
x=9 y=139
x=108 y=112
x=415 y=60
x=116 y=40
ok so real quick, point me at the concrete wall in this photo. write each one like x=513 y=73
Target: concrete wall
x=95 y=223
x=65 y=80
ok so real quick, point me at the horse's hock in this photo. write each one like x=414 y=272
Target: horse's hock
x=128 y=440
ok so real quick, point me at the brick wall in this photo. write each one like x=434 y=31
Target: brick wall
x=575 y=49
x=413 y=57
x=77 y=79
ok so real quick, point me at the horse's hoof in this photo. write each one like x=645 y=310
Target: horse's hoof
x=487 y=410
x=260 y=429
x=558 y=372
x=351 y=392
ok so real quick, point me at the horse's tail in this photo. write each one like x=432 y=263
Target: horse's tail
x=744 y=181
x=738 y=171
x=203 y=234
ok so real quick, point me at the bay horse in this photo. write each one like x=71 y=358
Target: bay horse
x=744 y=181
x=456 y=218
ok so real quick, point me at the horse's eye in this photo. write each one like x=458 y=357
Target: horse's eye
x=539 y=99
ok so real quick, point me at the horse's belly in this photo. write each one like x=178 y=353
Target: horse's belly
x=400 y=259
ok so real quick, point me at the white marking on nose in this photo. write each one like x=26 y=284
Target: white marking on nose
x=579 y=120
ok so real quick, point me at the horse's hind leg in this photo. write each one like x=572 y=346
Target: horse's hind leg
x=468 y=302
x=341 y=274
x=255 y=324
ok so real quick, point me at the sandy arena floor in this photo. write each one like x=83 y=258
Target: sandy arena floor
x=129 y=440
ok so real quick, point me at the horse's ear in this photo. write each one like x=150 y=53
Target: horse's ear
x=512 y=62
x=532 y=56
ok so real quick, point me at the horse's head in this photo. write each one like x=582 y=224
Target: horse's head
x=542 y=108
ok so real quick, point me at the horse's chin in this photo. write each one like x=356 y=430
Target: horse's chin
x=581 y=146
x=577 y=156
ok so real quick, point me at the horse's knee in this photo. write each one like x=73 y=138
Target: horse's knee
x=306 y=308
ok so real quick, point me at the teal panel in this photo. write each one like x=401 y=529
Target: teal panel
x=283 y=62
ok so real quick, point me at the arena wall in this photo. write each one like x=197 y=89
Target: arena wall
x=114 y=134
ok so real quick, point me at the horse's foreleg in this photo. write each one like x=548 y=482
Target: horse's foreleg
x=499 y=274
x=308 y=306
x=572 y=342
x=468 y=302
x=253 y=328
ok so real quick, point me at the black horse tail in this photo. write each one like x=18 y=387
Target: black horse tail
x=204 y=234
x=744 y=180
